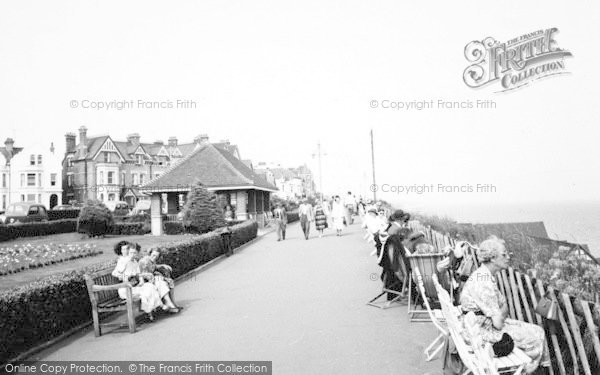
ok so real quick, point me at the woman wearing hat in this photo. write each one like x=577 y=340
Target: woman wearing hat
x=482 y=296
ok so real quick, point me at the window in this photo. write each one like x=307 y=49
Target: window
x=142 y=176
x=4 y=202
x=30 y=179
x=22 y=179
x=3 y=180
x=39 y=198
x=52 y=179
x=106 y=157
x=122 y=178
x=39 y=159
x=70 y=180
x=39 y=179
x=109 y=178
x=30 y=197
x=135 y=178
x=32 y=160
x=101 y=197
x=111 y=197
x=139 y=159
x=101 y=180
x=33 y=210
x=22 y=197
x=70 y=161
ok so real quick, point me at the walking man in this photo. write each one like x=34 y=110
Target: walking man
x=306 y=217
x=280 y=221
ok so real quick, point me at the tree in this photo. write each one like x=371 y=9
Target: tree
x=202 y=212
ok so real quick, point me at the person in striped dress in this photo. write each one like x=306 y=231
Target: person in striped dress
x=320 y=219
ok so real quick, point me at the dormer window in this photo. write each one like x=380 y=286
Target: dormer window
x=139 y=159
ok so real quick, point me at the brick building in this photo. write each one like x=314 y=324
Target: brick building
x=109 y=170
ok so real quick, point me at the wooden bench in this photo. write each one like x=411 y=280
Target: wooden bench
x=103 y=289
x=479 y=359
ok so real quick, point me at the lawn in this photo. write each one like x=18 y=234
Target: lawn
x=104 y=245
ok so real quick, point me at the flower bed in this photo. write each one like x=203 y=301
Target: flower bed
x=21 y=257
x=46 y=308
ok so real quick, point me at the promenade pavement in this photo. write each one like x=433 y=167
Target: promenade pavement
x=299 y=303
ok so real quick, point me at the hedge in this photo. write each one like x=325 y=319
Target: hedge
x=63 y=214
x=127 y=229
x=12 y=231
x=44 y=309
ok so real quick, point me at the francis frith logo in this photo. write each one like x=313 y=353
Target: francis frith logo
x=514 y=63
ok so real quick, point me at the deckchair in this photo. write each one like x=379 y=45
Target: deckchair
x=475 y=356
x=435 y=316
x=402 y=274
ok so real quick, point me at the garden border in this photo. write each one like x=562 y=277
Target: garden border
x=25 y=355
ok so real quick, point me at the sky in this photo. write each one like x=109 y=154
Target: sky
x=279 y=77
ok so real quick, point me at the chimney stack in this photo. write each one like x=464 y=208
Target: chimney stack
x=134 y=139
x=202 y=139
x=83 y=138
x=173 y=142
x=71 y=143
x=9 y=143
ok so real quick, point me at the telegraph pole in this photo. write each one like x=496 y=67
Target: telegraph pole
x=373 y=186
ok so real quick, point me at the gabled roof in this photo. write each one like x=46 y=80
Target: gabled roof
x=214 y=167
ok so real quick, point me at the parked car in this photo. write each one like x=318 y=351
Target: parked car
x=24 y=212
x=64 y=207
x=118 y=208
x=141 y=207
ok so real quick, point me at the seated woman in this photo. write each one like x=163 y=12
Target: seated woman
x=482 y=296
x=128 y=269
x=162 y=278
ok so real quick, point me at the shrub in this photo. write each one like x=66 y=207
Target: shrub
x=173 y=227
x=45 y=309
x=202 y=212
x=12 y=231
x=95 y=219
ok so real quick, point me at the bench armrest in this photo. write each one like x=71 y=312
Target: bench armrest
x=99 y=288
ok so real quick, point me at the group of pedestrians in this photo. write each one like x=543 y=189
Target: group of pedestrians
x=340 y=213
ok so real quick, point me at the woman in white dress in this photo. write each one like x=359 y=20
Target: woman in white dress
x=338 y=212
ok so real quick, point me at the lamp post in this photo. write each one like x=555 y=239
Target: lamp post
x=319 y=154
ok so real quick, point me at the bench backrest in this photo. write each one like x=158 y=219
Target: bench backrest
x=103 y=277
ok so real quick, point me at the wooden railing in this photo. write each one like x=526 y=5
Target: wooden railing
x=572 y=341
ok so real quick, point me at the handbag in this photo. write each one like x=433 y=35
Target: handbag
x=547 y=307
x=503 y=347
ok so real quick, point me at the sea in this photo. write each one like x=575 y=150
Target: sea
x=577 y=222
